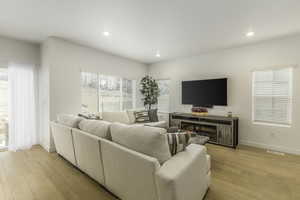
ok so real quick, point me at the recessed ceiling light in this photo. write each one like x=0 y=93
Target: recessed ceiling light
x=157 y=54
x=105 y=33
x=250 y=34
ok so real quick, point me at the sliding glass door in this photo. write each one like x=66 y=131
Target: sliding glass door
x=3 y=108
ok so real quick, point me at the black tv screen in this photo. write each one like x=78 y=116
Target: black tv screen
x=205 y=93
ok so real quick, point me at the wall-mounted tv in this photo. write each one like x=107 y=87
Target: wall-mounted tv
x=205 y=93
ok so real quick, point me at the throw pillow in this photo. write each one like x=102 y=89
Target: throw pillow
x=89 y=116
x=153 y=117
x=178 y=141
x=141 y=116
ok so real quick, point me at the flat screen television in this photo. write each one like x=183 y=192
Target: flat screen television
x=205 y=93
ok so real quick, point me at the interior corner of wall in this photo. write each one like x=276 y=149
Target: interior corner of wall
x=147 y=69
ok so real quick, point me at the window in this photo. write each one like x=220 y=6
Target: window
x=128 y=94
x=109 y=93
x=89 y=92
x=101 y=93
x=164 y=97
x=272 y=96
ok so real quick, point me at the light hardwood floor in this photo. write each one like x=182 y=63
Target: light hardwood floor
x=251 y=173
x=242 y=174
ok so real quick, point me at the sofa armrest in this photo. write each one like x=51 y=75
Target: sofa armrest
x=184 y=176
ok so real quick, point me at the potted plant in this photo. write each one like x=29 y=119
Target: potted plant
x=150 y=91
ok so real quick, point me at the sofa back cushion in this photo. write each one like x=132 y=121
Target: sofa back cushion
x=69 y=120
x=96 y=127
x=128 y=173
x=88 y=154
x=121 y=117
x=151 y=141
x=62 y=136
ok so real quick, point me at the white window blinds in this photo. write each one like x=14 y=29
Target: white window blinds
x=272 y=96
x=163 y=104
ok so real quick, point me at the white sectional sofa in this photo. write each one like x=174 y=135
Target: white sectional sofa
x=132 y=161
x=127 y=117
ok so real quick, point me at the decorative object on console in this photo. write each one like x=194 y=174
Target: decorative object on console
x=229 y=114
x=149 y=89
x=199 y=111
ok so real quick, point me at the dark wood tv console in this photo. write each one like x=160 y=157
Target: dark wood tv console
x=221 y=130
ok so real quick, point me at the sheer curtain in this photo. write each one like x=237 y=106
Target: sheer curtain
x=22 y=106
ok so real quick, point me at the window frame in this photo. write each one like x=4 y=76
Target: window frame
x=100 y=105
x=169 y=105
x=274 y=124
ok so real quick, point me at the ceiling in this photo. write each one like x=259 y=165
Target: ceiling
x=140 y=28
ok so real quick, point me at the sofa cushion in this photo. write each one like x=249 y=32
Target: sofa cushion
x=121 y=117
x=151 y=141
x=96 y=127
x=69 y=120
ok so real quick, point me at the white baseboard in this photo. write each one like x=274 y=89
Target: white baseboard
x=45 y=147
x=271 y=147
x=52 y=149
x=48 y=149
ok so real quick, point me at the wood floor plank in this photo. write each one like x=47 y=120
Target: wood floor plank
x=68 y=179
x=251 y=173
x=6 y=192
x=246 y=173
x=14 y=176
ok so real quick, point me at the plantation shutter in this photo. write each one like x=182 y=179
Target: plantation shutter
x=272 y=96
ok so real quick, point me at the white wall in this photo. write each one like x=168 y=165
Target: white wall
x=18 y=51
x=62 y=62
x=237 y=64
x=44 y=97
